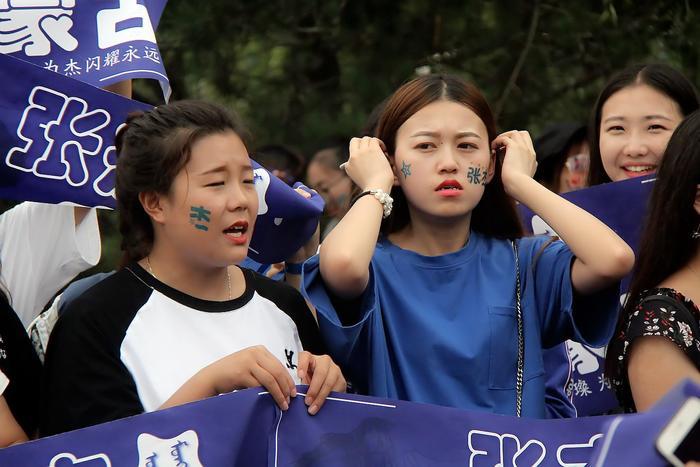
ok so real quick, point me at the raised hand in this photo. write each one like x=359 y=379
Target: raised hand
x=519 y=160
x=368 y=165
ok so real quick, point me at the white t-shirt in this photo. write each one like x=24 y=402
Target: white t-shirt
x=128 y=343
x=41 y=250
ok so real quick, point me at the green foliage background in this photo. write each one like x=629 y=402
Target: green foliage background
x=301 y=72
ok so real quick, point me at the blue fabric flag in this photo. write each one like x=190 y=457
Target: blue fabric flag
x=632 y=440
x=99 y=42
x=286 y=220
x=57 y=136
x=620 y=205
x=57 y=145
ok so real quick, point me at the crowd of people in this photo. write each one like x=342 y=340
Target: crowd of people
x=423 y=286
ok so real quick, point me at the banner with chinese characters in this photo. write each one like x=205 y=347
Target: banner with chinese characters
x=57 y=145
x=622 y=207
x=246 y=429
x=57 y=136
x=99 y=42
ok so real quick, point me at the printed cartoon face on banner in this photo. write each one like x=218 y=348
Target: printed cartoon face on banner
x=100 y=42
x=262 y=183
x=178 y=451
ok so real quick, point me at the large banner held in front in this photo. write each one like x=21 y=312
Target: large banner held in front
x=621 y=206
x=99 y=42
x=247 y=429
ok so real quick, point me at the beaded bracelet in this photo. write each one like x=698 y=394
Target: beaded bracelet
x=381 y=196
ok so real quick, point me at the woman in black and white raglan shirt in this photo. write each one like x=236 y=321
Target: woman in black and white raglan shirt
x=180 y=321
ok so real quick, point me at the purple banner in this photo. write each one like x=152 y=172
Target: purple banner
x=57 y=136
x=57 y=145
x=632 y=440
x=286 y=220
x=99 y=42
x=246 y=428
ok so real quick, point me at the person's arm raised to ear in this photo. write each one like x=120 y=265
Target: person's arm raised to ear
x=346 y=252
x=602 y=257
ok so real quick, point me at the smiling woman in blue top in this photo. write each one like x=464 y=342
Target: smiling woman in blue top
x=429 y=312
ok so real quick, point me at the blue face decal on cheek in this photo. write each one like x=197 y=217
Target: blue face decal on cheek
x=405 y=169
x=199 y=217
x=477 y=175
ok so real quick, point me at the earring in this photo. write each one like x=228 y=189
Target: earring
x=696 y=234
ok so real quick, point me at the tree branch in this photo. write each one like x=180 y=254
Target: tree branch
x=521 y=60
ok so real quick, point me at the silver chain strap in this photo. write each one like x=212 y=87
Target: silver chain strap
x=521 y=339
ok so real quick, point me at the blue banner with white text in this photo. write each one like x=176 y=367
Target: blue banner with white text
x=57 y=136
x=246 y=428
x=57 y=145
x=99 y=42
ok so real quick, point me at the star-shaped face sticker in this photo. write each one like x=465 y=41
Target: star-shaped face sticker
x=405 y=169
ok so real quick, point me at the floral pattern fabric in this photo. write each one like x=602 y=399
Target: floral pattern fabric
x=661 y=312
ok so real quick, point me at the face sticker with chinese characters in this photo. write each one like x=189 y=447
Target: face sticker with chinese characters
x=477 y=175
x=199 y=217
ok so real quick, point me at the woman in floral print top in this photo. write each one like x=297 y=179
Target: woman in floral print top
x=657 y=341
x=659 y=312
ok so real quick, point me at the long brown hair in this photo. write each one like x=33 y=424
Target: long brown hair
x=495 y=215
